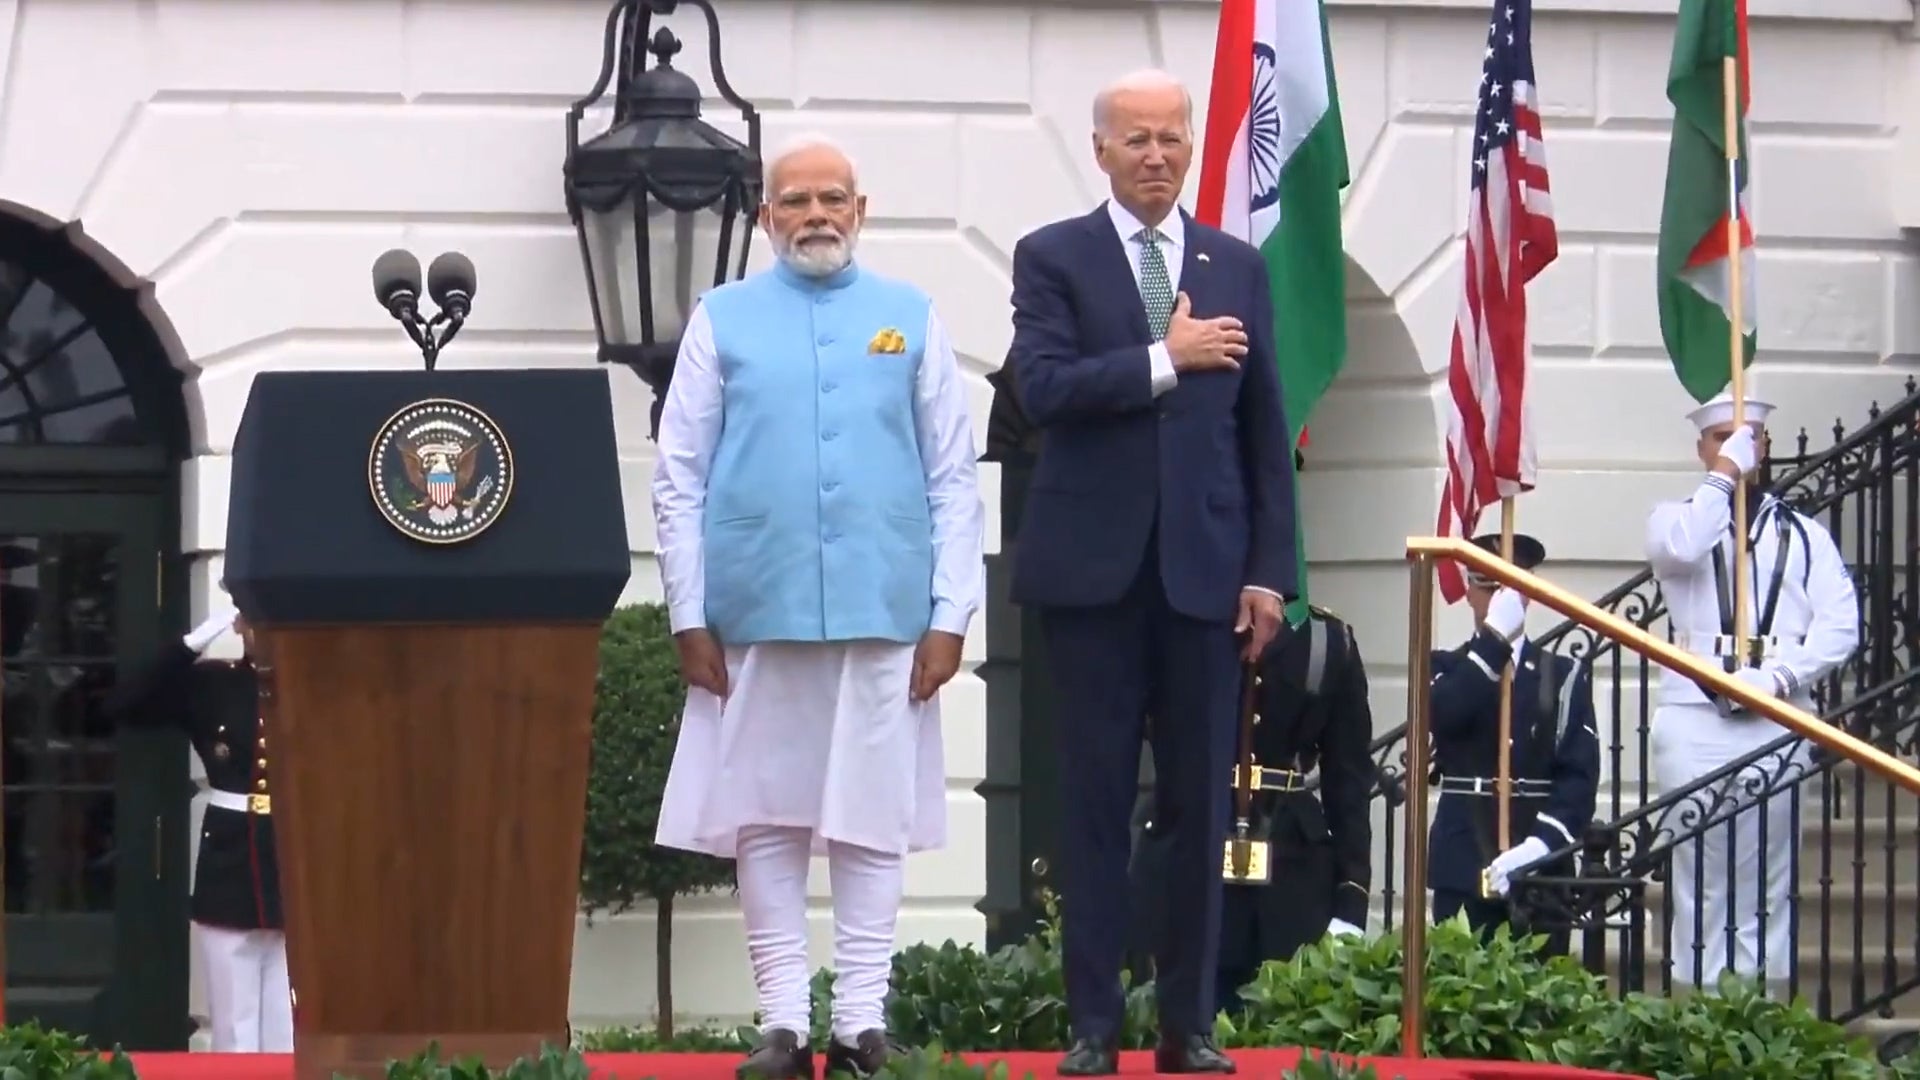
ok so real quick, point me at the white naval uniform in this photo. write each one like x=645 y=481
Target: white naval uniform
x=817 y=747
x=1815 y=628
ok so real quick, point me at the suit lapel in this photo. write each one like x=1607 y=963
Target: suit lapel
x=1195 y=261
x=1114 y=266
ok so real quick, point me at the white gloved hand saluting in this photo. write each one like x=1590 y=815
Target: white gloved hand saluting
x=1525 y=853
x=1506 y=614
x=1740 y=450
x=207 y=632
x=1340 y=928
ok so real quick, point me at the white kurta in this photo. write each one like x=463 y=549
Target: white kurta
x=1732 y=887
x=820 y=736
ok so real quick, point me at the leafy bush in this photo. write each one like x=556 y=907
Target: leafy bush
x=932 y=1063
x=683 y=1040
x=552 y=1064
x=31 y=1052
x=636 y=721
x=1735 y=1032
x=1497 y=1000
x=1314 y=1066
x=1012 y=999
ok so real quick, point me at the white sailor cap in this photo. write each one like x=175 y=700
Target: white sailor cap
x=1720 y=409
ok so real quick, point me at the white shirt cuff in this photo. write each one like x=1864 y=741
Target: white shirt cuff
x=950 y=618
x=691 y=615
x=1160 y=365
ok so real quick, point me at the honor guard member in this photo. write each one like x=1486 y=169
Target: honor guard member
x=1311 y=714
x=1802 y=622
x=1554 y=758
x=237 y=927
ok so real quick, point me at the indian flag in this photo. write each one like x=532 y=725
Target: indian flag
x=1695 y=258
x=1272 y=168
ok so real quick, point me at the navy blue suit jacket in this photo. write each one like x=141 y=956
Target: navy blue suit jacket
x=1207 y=461
x=1466 y=739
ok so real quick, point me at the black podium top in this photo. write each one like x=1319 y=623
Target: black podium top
x=414 y=496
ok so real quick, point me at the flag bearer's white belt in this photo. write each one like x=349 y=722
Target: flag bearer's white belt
x=240 y=802
x=1725 y=646
x=1490 y=785
x=1267 y=778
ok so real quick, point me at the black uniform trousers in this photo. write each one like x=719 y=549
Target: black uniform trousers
x=1113 y=665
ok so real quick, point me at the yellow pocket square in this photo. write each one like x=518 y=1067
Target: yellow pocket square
x=888 y=341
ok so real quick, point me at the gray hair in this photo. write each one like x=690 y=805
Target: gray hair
x=800 y=144
x=1144 y=79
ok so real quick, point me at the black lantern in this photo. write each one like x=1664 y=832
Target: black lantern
x=664 y=202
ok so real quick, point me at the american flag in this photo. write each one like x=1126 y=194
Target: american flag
x=1510 y=239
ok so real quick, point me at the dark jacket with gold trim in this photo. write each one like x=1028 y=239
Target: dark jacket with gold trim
x=236 y=883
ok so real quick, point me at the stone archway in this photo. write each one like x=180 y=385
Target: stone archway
x=93 y=428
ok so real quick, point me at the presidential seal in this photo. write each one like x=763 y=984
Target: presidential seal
x=440 y=471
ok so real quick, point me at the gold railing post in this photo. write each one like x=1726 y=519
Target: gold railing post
x=1414 y=919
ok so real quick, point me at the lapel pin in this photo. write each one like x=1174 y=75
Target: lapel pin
x=1203 y=257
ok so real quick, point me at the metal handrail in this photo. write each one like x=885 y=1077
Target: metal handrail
x=1422 y=551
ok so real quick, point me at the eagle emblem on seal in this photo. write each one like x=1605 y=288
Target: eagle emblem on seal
x=440 y=471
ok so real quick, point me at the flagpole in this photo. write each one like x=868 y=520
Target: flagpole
x=1736 y=353
x=1505 y=783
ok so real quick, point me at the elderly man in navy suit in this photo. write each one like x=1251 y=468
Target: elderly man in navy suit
x=1159 y=526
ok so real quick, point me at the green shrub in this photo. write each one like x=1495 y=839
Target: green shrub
x=931 y=1062
x=1496 y=1000
x=552 y=1064
x=636 y=720
x=1734 y=1032
x=1321 y=1066
x=31 y=1052
x=683 y=1040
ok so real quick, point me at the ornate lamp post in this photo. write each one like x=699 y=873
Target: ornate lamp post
x=664 y=202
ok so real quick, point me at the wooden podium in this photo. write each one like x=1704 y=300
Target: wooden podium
x=427 y=559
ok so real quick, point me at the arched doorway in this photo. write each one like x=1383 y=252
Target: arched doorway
x=92 y=432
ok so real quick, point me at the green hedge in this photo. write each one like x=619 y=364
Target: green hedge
x=1499 y=1000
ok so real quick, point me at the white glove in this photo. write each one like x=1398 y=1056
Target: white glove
x=1506 y=614
x=1342 y=929
x=1761 y=681
x=204 y=635
x=1739 y=449
x=1525 y=853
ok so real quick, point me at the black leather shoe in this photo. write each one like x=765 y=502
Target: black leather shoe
x=780 y=1056
x=1090 y=1057
x=870 y=1052
x=1190 y=1054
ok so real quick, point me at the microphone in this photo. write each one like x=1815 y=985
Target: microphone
x=450 y=281
x=396 y=284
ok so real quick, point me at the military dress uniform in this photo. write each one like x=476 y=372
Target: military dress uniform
x=1311 y=715
x=1554 y=762
x=238 y=928
x=1732 y=886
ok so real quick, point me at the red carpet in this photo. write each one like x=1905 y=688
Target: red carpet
x=1257 y=1064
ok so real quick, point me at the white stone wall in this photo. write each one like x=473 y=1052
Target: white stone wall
x=251 y=159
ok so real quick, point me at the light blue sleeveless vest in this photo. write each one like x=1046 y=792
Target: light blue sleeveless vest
x=817 y=526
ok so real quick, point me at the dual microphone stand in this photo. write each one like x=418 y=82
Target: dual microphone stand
x=450 y=283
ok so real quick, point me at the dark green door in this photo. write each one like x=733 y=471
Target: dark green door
x=94 y=815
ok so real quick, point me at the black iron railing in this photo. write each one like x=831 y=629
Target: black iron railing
x=1852 y=925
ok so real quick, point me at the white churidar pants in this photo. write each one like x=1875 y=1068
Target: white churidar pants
x=1737 y=878
x=249 y=1001
x=817 y=750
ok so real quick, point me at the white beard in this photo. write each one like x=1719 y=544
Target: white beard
x=817 y=259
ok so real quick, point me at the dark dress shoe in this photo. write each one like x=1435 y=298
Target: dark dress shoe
x=1090 y=1057
x=868 y=1054
x=1190 y=1054
x=780 y=1056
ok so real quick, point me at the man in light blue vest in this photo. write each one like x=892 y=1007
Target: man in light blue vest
x=820 y=542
